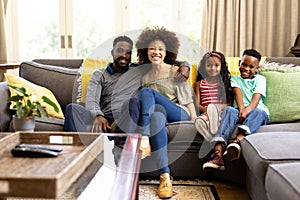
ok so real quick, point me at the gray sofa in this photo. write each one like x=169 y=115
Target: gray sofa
x=187 y=149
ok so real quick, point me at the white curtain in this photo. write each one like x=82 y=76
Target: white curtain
x=3 y=51
x=231 y=26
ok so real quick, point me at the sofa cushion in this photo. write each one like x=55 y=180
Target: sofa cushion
x=59 y=79
x=44 y=124
x=282 y=96
x=262 y=149
x=283 y=127
x=282 y=181
x=37 y=91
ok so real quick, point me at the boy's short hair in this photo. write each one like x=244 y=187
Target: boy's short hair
x=122 y=38
x=252 y=52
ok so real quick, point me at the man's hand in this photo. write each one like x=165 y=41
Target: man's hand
x=100 y=125
x=182 y=73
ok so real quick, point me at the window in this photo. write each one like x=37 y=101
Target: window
x=38 y=29
x=74 y=28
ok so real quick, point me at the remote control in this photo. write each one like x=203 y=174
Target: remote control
x=41 y=146
x=32 y=152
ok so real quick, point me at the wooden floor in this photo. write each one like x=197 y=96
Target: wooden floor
x=229 y=191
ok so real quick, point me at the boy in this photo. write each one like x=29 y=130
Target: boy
x=249 y=90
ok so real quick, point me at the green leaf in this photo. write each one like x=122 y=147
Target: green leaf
x=41 y=111
x=51 y=103
x=19 y=89
x=15 y=98
x=24 y=105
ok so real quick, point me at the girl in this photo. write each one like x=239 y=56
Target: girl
x=213 y=92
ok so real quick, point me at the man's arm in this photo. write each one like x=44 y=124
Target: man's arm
x=183 y=71
x=93 y=98
x=93 y=94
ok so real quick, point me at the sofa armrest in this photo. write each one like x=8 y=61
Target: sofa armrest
x=5 y=113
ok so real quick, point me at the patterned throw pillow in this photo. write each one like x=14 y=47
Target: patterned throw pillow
x=37 y=91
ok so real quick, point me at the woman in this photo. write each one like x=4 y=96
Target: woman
x=162 y=98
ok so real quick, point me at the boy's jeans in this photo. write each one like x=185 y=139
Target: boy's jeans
x=229 y=120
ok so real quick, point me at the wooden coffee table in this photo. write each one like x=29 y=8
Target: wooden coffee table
x=71 y=175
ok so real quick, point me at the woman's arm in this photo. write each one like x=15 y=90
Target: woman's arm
x=192 y=110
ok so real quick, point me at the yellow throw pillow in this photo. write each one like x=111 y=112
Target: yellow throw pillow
x=89 y=66
x=233 y=64
x=37 y=91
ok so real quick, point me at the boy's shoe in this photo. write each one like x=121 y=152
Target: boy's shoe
x=216 y=162
x=202 y=127
x=233 y=151
x=165 y=190
x=213 y=117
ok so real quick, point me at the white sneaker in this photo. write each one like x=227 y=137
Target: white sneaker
x=213 y=117
x=202 y=128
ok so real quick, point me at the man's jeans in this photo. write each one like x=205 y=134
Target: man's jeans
x=78 y=119
x=229 y=120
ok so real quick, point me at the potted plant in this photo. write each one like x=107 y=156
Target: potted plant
x=27 y=107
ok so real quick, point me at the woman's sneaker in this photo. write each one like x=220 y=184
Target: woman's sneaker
x=213 y=117
x=216 y=162
x=233 y=151
x=202 y=128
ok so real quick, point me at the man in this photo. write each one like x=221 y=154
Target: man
x=107 y=92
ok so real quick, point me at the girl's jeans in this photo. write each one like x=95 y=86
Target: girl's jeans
x=229 y=120
x=155 y=111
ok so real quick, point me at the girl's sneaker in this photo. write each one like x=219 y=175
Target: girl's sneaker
x=213 y=117
x=202 y=128
x=216 y=162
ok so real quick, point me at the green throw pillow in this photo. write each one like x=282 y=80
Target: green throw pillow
x=283 y=97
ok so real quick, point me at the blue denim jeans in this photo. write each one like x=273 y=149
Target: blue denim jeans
x=77 y=118
x=155 y=111
x=229 y=120
x=151 y=101
x=129 y=116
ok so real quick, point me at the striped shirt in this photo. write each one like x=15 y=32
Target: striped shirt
x=209 y=93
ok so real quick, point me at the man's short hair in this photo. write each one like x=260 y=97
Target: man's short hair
x=123 y=38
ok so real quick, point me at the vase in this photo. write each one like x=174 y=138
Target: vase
x=21 y=124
